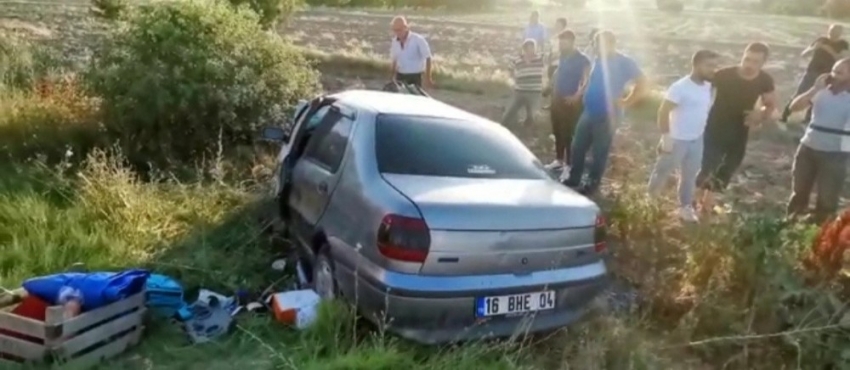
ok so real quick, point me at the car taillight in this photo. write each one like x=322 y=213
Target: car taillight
x=600 y=234
x=403 y=238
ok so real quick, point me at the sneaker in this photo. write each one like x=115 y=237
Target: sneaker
x=565 y=173
x=553 y=165
x=688 y=214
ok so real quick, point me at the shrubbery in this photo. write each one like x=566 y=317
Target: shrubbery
x=270 y=11
x=182 y=78
x=21 y=64
x=108 y=9
x=429 y=4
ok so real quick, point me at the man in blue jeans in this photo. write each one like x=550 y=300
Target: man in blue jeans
x=612 y=71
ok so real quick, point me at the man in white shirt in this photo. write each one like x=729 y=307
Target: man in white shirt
x=682 y=117
x=410 y=54
x=824 y=152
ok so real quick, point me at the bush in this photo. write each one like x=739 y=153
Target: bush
x=427 y=4
x=108 y=9
x=21 y=63
x=270 y=11
x=51 y=122
x=181 y=79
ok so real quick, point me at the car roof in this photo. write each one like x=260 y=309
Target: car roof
x=381 y=102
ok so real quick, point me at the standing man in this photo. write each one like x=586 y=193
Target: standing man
x=410 y=54
x=681 y=118
x=568 y=85
x=822 y=157
x=824 y=51
x=536 y=31
x=555 y=49
x=590 y=48
x=612 y=71
x=528 y=72
x=553 y=57
x=737 y=90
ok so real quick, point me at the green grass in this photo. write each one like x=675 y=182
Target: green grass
x=209 y=234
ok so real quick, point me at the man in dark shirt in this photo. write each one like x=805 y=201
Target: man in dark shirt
x=567 y=84
x=738 y=89
x=824 y=51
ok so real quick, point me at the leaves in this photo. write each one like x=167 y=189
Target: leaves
x=183 y=77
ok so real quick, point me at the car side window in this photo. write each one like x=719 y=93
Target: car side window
x=328 y=143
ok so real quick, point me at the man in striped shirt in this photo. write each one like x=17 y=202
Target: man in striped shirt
x=528 y=72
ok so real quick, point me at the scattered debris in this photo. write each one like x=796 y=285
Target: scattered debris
x=298 y=308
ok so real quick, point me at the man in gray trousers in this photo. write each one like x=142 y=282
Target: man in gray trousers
x=682 y=117
x=822 y=157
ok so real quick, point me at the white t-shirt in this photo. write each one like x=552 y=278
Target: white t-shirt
x=411 y=58
x=693 y=101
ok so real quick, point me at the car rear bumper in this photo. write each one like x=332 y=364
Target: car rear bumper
x=433 y=316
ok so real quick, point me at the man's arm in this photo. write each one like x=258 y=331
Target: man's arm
x=664 y=110
x=829 y=50
x=803 y=101
x=585 y=77
x=768 y=105
x=638 y=91
x=768 y=100
x=814 y=46
x=672 y=98
x=809 y=50
x=641 y=84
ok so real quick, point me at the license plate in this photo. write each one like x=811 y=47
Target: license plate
x=515 y=303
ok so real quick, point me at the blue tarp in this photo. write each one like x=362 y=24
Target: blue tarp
x=97 y=289
x=164 y=295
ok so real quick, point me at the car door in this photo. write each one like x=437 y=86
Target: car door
x=317 y=172
x=307 y=116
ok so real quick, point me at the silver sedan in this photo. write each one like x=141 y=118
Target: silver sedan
x=438 y=224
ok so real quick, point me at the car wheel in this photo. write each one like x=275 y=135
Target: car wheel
x=324 y=281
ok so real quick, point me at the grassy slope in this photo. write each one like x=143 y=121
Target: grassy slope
x=58 y=209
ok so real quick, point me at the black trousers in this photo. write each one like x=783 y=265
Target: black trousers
x=821 y=171
x=722 y=155
x=564 y=119
x=414 y=79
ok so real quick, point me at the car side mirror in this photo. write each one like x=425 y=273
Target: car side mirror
x=275 y=134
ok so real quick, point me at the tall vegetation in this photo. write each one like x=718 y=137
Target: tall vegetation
x=181 y=77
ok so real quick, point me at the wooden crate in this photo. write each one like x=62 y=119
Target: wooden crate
x=77 y=343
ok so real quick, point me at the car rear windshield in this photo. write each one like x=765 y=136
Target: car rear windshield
x=411 y=145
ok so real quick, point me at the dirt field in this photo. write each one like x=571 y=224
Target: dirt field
x=480 y=44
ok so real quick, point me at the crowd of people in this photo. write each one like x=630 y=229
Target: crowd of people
x=704 y=119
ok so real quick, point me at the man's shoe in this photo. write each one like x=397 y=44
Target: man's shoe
x=688 y=214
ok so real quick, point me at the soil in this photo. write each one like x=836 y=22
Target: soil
x=482 y=43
